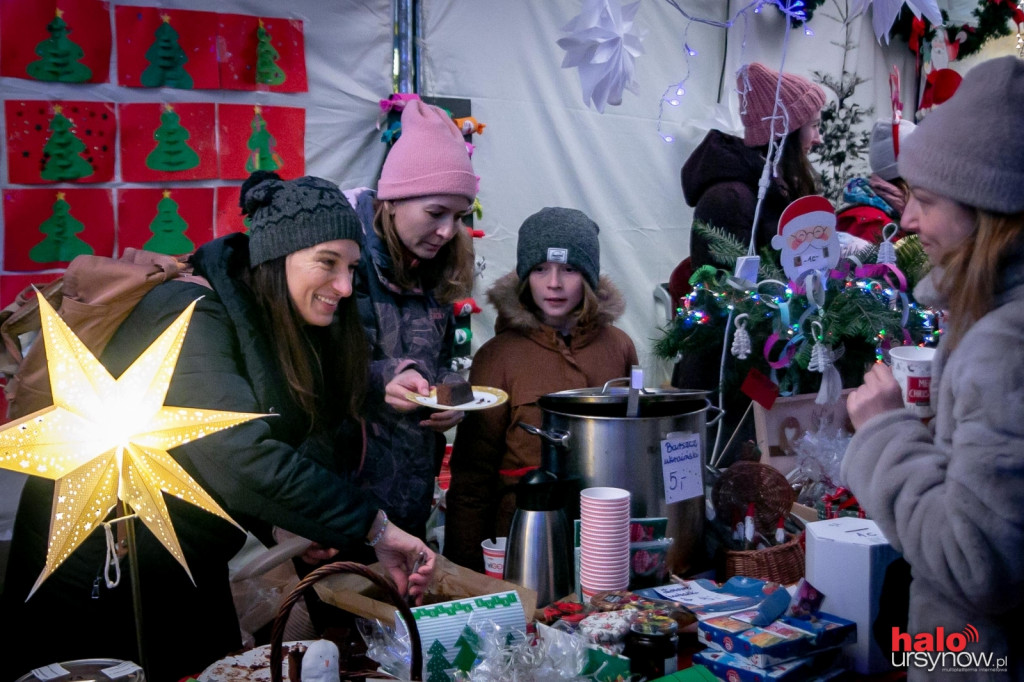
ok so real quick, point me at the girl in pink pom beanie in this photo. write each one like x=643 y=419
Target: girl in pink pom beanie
x=418 y=260
x=720 y=178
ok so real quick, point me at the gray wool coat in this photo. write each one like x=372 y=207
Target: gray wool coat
x=950 y=495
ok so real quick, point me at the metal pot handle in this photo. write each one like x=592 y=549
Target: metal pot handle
x=555 y=436
x=721 y=413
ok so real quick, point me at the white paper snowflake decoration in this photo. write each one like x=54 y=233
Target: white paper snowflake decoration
x=599 y=43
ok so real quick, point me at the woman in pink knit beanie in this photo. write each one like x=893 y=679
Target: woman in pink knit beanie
x=720 y=181
x=418 y=260
x=720 y=178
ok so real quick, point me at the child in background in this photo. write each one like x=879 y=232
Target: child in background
x=554 y=332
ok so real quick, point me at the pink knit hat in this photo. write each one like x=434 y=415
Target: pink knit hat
x=430 y=157
x=799 y=98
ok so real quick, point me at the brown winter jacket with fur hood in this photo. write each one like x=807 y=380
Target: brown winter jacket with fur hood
x=527 y=360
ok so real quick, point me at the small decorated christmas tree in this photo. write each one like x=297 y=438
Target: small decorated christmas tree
x=59 y=56
x=166 y=60
x=267 y=70
x=62 y=158
x=168 y=228
x=437 y=665
x=172 y=152
x=261 y=145
x=61 y=242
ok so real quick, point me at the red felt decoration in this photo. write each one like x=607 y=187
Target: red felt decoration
x=229 y=214
x=164 y=142
x=28 y=28
x=147 y=220
x=56 y=225
x=261 y=138
x=86 y=135
x=278 y=53
x=190 y=43
x=760 y=389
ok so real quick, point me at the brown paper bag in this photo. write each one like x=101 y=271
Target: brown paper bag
x=358 y=595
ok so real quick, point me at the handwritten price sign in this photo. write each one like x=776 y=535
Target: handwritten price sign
x=681 y=467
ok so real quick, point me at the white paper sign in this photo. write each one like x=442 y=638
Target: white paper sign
x=681 y=469
x=692 y=594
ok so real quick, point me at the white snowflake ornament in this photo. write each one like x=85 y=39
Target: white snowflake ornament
x=599 y=42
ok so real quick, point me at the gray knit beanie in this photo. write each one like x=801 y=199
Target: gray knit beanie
x=286 y=216
x=970 y=148
x=882 y=152
x=559 y=235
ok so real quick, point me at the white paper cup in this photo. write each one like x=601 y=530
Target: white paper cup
x=494 y=557
x=912 y=368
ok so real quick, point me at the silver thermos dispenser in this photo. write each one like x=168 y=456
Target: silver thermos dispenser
x=538 y=551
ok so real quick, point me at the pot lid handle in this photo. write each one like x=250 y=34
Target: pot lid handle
x=619 y=380
x=554 y=436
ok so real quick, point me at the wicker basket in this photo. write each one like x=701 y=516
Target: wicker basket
x=765 y=487
x=281 y=619
x=780 y=563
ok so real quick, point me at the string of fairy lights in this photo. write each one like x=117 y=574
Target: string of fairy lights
x=794 y=10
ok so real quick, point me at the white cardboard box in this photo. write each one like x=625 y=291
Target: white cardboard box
x=846 y=560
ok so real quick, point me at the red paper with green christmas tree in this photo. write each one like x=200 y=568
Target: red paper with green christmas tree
x=170 y=220
x=261 y=138
x=55 y=225
x=60 y=141
x=262 y=53
x=12 y=285
x=65 y=42
x=167 y=142
x=229 y=214
x=162 y=48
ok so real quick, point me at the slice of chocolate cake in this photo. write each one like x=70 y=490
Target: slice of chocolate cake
x=454 y=393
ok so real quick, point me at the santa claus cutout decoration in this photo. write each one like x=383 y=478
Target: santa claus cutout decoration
x=807 y=237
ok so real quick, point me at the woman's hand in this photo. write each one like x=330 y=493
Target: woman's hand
x=408 y=561
x=442 y=421
x=879 y=393
x=408 y=381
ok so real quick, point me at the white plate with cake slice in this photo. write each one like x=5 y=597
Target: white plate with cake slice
x=249 y=666
x=483 y=398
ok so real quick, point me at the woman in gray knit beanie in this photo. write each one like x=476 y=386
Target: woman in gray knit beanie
x=268 y=335
x=949 y=494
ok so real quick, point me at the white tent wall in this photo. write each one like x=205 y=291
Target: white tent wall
x=543 y=146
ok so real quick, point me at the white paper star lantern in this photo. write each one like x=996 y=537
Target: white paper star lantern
x=105 y=439
x=600 y=44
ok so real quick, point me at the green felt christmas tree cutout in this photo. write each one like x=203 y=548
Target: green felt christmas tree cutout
x=172 y=152
x=467 y=644
x=166 y=60
x=62 y=158
x=61 y=242
x=168 y=228
x=59 y=56
x=267 y=70
x=261 y=145
x=438 y=665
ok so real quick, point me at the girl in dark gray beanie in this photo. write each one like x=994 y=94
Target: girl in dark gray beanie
x=949 y=494
x=554 y=332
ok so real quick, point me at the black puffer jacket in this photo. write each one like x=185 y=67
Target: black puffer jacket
x=263 y=473
x=719 y=181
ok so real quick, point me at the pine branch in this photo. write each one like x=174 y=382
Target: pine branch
x=722 y=245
